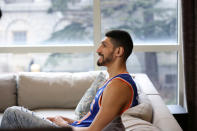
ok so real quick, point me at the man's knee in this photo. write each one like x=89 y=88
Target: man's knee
x=11 y=109
x=8 y=116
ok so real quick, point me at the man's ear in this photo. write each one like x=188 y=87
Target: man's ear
x=120 y=51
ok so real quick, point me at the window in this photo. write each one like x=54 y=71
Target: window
x=49 y=22
x=149 y=22
x=170 y=78
x=162 y=71
x=46 y=62
x=53 y=34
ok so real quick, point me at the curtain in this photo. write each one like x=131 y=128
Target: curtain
x=189 y=13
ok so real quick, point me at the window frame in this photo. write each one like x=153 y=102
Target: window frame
x=178 y=47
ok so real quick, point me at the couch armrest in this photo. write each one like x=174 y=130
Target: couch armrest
x=162 y=118
x=145 y=85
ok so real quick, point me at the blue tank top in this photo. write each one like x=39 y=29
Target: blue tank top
x=96 y=103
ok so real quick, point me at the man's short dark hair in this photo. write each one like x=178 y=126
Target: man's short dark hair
x=121 y=38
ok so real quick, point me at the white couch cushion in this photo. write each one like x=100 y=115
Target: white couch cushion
x=55 y=112
x=7 y=91
x=52 y=90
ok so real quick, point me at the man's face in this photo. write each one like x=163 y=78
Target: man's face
x=105 y=52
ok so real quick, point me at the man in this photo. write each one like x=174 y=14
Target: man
x=117 y=95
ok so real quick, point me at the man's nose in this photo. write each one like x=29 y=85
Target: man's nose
x=98 y=49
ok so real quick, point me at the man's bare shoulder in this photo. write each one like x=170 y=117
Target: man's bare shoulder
x=118 y=89
x=119 y=84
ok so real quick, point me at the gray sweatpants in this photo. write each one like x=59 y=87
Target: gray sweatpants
x=20 y=117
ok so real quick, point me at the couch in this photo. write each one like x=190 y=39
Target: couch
x=51 y=94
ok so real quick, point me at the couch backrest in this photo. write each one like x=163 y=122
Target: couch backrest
x=64 y=90
x=53 y=90
x=7 y=91
x=49 y=90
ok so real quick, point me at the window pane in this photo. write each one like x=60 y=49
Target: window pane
x=148 y=21
x=46 y=22
x=55 y=62
x=19 y=36
x=161 y=68
x=17 y=1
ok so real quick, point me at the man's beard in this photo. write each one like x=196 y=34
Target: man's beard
x=105 y=61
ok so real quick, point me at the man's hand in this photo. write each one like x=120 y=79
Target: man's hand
x=59 y=120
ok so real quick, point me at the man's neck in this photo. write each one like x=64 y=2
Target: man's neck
x=116 y=69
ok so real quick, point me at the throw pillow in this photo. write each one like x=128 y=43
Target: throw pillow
x=143 y=110
x=115 y=125
x=83 y=106
x=139 y=117
x=136 y=124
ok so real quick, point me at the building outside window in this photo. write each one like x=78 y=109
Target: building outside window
x=18 y=1
x=19 y=36
x=63 y=36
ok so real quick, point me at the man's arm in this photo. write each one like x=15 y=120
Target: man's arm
x=60 y=120
x=116 y=97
